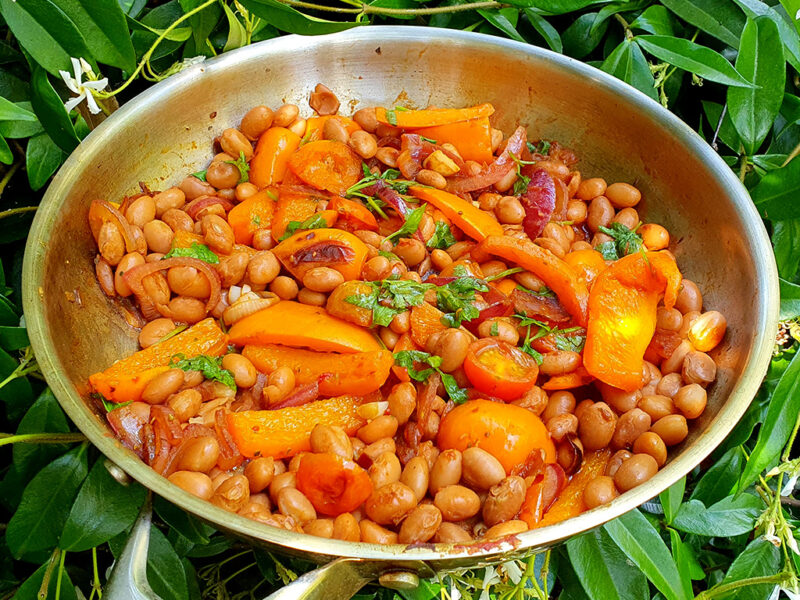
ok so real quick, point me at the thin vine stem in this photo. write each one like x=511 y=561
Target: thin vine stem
x=17 y=211
x=367 y=9
x=41 y=438
x=9 y=174
x=721 y=590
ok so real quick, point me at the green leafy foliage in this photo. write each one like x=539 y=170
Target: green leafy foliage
x=409 y=359
x=389 y=298
x=209 y=366
x=198 y=251
x=315 y=221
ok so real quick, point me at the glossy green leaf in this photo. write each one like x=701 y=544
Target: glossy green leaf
x=759 y=559
x=42 y=159
x=288 y=19
x=46 y=415
x=104 y=30
x=656 y=20
x=783 y=410
x=500 y=19
x=720 y=479
x=14 y=112
x=786 y=244
x=6 y=155
x=727 y=132
x=609 y=10
x=642 y=544
x=51 y=112
x=45 y=32
x=104 y=508
x=790 y=300
x=671 y=499
x=697 y=59
x=182 y=522
x=15 y=130
x=775 y=195
x=728 y=517
x=720 y=18
x=165 y=572
x=237 y=35
x=16 y=394
x=792 y=8
x=685 y=561
x=791 y=41
x=753 y=110
x=558 y=7
x=576 y=38
x=545 y=29
x=604 y=570
x=46 y=503
x=29 y=590
x=397 y=4
x=13 y=338
x=179 y=34
x=628 y=63
x=201 y=23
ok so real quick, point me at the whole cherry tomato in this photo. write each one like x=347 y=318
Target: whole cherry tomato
x=506 y=431
x=499 y=369
x=332 y=484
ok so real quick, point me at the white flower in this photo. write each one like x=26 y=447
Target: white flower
x=82 y=89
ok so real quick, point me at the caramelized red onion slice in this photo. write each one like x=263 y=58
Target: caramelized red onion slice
x=101 y=212
x=539 y=201
x=302 y=395
x=494 y=172
x=195 y=206
x=533 y=306
x=389 y=196
x=418 y=150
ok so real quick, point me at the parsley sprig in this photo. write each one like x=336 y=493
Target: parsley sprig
x=241 y=164
x=209 y=366
x=408 y=358
x=199 y=251
x=410 y=227
x=542 y=147
x=625 y=241
x=390 y=297
x=521 y=184
x=442 y=237
x=456 y=297
x=572 y=343
x=315 y=221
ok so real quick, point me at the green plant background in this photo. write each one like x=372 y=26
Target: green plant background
x=729 y=68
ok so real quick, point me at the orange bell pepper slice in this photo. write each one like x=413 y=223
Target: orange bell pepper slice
x=125 y=380
x=185 y=239
x=356 y=374
x=578 y=378
x=294 y=324
x=476 y=223
x=570 y=502
x=404 y=342
x=588 y=264
x=315 y=125
x=274 y=147
x=353 y=214
x=312 y=248
x=327 y=165
x=334 y=485
x=622 y=316
x=285 y=432
x=506 y=431
x=426 y=320
x=506 y=285
x=472 y=139
x=294 y=206
x=413 y=119
x=556 y=274
x=249 y=216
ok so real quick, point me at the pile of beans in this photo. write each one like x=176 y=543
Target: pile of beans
x=420 y=492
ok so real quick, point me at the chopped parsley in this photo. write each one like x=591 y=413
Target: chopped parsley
x=315 y=221
x=427 y=139
x=201 y=175
x=390 y=176
x=542 y=291
x=390 y=297
x=521 y=184
x=391 y=117
x=241 y=164
x=407 y=358
x=198 y=251
x=109 y=406
x=410 y=227
x=625 y=241
x=455 y=298
x=504 y=274
x=389 y=255
x=541 y=147
x=209 y=366
x=442 y=237
x=495 y=330
x=571 y=343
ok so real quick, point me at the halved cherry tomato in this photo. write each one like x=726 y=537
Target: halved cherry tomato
x=506 y=431
x=332 y=484
x=499 y=369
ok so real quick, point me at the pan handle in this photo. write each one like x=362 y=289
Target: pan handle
x=337 y=580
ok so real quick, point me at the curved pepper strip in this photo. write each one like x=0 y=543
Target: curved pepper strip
x=268 y=165
x=249 y=216
x=411 y=119
x=556 y=274
x=472 y=139
x=473 y=221
x=622 y=316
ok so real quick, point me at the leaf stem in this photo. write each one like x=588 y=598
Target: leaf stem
x=743 y=167
x=146 y=57
x=96 y=587
x=9 y=174
x=721 y=590
x=60 y=573
x=795 y=151
x=16 y=211
x=27 y=365
x=368 y=9
x=41 y=438
x=48 y=574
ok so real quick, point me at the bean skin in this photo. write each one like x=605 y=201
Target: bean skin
x=198 y=484
x=480 y=470
x=416 y=476
x=504 y=500
x=390 y=504
x=457 y=502
x=634 y=471
x=420 y=525
x=372 y=533
x=446 y=470
x=450 y=533
x=199 y=454
x=596 y=426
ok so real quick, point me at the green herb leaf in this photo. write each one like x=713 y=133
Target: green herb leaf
x=109 y=406
x=198 y=251
x=408 y=359
x=495 y=329
x=456 y=297
x=201 y=175
x=391 y=116
x=626 y=241
x=442 y=237
x=504 y=274
x=315 y=221
x=411 y=225
x=427 y=139
x=389 y=298
x=719 y=18
x=241 y=164
x=209 y=366
x=457 y=394
x=728 y=517
x=759 y=559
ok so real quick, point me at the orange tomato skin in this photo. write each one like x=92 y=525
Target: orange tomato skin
x=326 y=165
x=272 y=153
x=506 y=431
x=499 y=369
x=332 y=484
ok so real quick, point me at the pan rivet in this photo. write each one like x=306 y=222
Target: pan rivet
x=399 y=580
x=117 y=473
